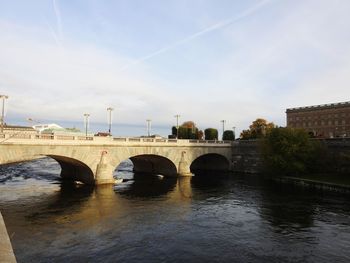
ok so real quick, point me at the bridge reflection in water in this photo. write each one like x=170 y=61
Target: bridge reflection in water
x=214 y=217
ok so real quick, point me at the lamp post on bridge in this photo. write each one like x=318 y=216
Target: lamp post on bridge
x=149 y=122
x=3 y=97
x=177 y=116
x=223 y=128
x=86 y=115
x=110 y=109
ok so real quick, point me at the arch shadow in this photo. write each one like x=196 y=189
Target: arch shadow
x=74 y=170
x=207 y=163
x=153 y=164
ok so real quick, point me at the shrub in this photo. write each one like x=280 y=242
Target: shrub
x=228 y=136
x=211 y=134
x=290 y=152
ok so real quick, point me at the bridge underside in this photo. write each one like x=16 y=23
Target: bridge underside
x=74 y=170
x=210 y=162
x=153 y=164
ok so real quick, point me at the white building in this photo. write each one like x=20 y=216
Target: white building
x=42 y=127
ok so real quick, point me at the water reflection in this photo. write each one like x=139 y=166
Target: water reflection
x=215 y=217
x=146 y=186
x=287 y=207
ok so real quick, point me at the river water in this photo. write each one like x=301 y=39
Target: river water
x=213 y=218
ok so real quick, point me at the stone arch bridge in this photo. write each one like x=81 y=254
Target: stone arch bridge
x=93 y=160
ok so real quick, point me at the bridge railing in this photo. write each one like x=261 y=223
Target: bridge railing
x=7 y=137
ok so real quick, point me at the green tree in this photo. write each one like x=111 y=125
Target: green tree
x=228 y=136
x=289 y=151
x=258 y=129
x=211 y=134
x=174 y=130
x=187 y=130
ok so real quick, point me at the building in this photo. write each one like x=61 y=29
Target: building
x=327 y=120
x=16 y=129
x=42 y=127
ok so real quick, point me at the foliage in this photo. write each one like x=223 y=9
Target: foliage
x=211 y=134
x=258 y=129
x=200 y=135
x=188 y=124
x=174 y=130
x=289 y=151
x=228 y=136
x=187 y=130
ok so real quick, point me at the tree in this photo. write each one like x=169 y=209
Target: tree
x=187 y=130
x=200 y=135
x=228 y=136
x=258 y=129
x=289 y=151
x=211 y=134
x=174 y=130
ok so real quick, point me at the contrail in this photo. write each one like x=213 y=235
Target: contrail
x=53 y=34
x=58 y=19
x=216 y=26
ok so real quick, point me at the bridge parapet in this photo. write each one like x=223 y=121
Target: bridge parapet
x=74 y=140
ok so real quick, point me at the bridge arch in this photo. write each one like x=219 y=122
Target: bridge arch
x=153 y=164
x=210 y=162
x=73 y=169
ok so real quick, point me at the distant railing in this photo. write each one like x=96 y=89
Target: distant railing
x=36 y=137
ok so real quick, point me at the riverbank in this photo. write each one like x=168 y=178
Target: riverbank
x=325 y=182
x=6 y=251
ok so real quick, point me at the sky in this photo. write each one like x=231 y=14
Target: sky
x=206 y=60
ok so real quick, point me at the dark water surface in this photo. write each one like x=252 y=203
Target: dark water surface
x=146 y=219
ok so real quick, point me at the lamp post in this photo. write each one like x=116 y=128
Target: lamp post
x=149 y=127
x=86 y=115
x=110 y=109
x=3 y=97
x=223 y=128
x=177 y=116
x=234 y=131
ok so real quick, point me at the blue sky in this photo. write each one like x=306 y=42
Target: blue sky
x=206 y=60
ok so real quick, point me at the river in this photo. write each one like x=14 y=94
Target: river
x=213 y=218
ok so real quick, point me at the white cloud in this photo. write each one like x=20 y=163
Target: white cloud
x=45 y=81
x=284 y=55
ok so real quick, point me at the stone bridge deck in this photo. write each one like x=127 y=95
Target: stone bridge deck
x=93 y=159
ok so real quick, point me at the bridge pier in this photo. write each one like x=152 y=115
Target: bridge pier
x=184 y=167
x=104 y=175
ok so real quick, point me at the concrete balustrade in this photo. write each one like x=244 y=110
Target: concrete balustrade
x=30 y=138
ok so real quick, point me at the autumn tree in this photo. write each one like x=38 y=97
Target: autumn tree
x=186 y=130
x=258 y=129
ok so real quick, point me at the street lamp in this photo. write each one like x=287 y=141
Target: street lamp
x=3 y=97
x=234 y=131
x=223 y=128
x=110 y=109
x=149 y=127
x=86 y=115
x=177 y=116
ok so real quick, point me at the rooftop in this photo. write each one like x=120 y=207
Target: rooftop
x=321 y=106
